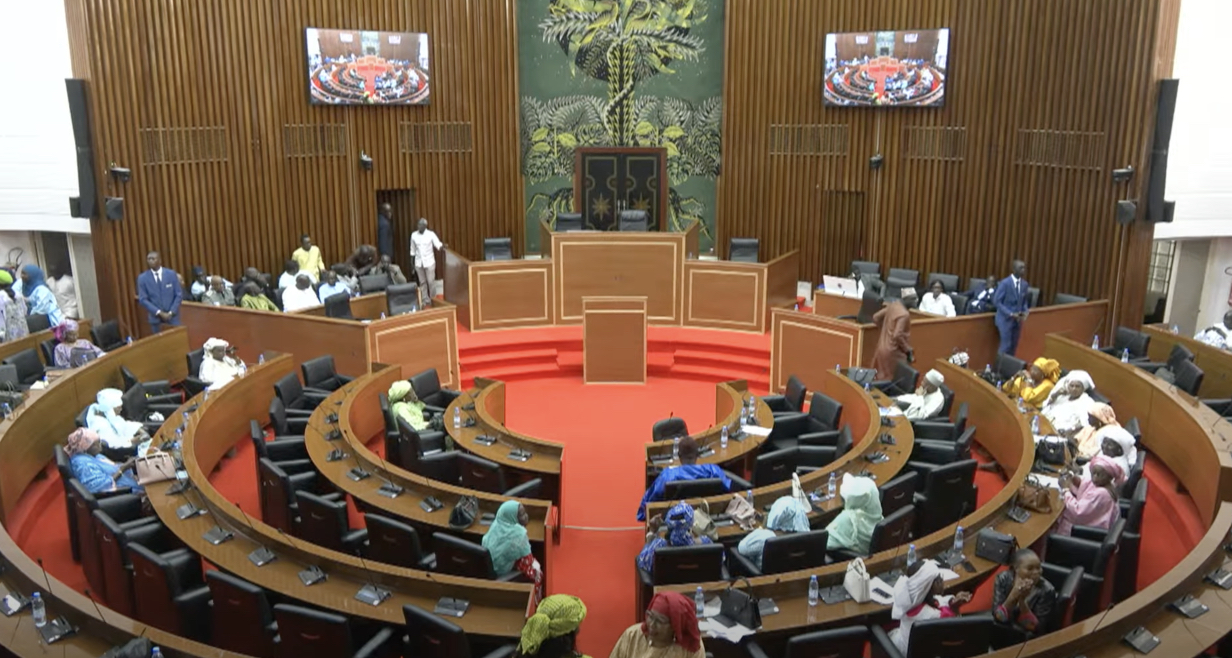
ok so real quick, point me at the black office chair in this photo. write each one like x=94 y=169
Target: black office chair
x=1133 y=340
x=320 y=374
x=338 y=306
x=848 y=642
x=904 y=381
x=498 y=248
x=567 y=221
x=29 y=367
x=820 y=426
x=1189 y=377
x=928 y=454
x=38 y=322
x=673 y=565
x=428 y=635
x=634 y=220
x=460 y=557
x=792 y=399
x=136 y=407
x=744 y=250
x=170 y=591
x=324 y=523
x=866 y=267
x=288 y=452
x=242 y=615
x=1066 y=298
x=107 y=335
x=898 y=493
x=402 y=298
x=370 y=283
x=277 y=489
x=427 y=385
x=157 y=391
x=948 y=281
x=1167 y=370
x=891 y=531
x=689 y=489
x=48 y=349
x=482 y=475
x=669 y=428
x=285 y=424
x=773 y=467
x=306 y=632
x=295 y=397
x=960 y=301
x=941 y=427
x=394 y=542
x=949 y=492
x=1093 y=549
x=1007 y=366
x=192 y=384
x=787 y=552
x=123 y=507
x=953 y=637
x=425 y=443
x=899 y=278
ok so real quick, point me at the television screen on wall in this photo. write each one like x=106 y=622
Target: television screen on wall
x=907 y=68
x=366 y=67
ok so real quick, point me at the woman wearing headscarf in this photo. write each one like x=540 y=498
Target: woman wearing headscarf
x=679 y=525
x=40 y=300
x=406 y=405
x=1091 y=437
x=119 y=436
x=852 y=529
x=669 y=631
x=1035 y=384
x=915 y=599
x=94 y=471
x=1068 y=405
x=1119 y=446
x=73 y=351
x=786 y=515
x=1021 y=597
x=220 y=364
x=552 y=631
x=509 y=546
x=13 y=308
x=1094 y=501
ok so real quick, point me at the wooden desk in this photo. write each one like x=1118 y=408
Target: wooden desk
x=499 y=294
x=600 y=264
x=1216 y=364
x=614 y=340
x=497 y=609
x=418 y=341
x=861 y=415
x=738 y=296
x=360 y=420
x=809 y=346
x=729 y=401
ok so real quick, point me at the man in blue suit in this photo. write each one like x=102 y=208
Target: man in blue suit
x=159 y=292
x=1011 y=300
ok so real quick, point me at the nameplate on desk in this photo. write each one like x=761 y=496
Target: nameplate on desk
x=1220 y=578
x=187 y=511
x=262 y=556
x=1141 y=640
x=519 y=455
x=754 y=430
x=332 y=419
x=218 y=535
x=485 y=440
x=56 y=629
x=356 y=474
x=876 y=457
x=312 y=575
x=1189 y=606
x=372 y=595
x=836 y=594
x=451 y=607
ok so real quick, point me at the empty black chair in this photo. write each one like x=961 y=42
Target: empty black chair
x=482 y=475
x=899 y=492
x=1189 y=377
x=669 y=428
x=402 y=298
x=284 y=424
x=289 y=453
x=1093 y=549
x=242 y=614
x=787 y=552
x=370 y=283
x=107 y=335
x=1133 y=340
x=306 y=632
x=66 y=475
x=158 y=392
x=277 y=490
x=744 y=250
x=904 y=381
x=846 y=642
x=427 y=385
x=338 y=306
x=460 y=557
x=568 y=221
x=700 y=563
x=29 y=367
x=866 y=267
x=1128 y=555
x=295 y=397
x=170 y=591
x=123 y=508
x=1007 y=366
x=320 y=374
x=960 y=301
x=1168 y=369
x=942 y=428
x=927 y=454
x=634 y=220
x=422 y=453
x=324 y=523
x=820 y=426
x=48 y=349
x=954 y=637
x=948 y=281
x=948 y=494
x=1066 y=298
x=899 y=278
x=775 y=466
x=498 y=248
x=394 y=542
x=112 y=542
x=38 y=322
x=136 y=407
x=682 y=489
x=428 y=635
x=792 y=399
x=1033 y=297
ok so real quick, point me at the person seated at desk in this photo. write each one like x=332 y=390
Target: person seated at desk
x=251 y=275
x=40 y=300
x=981 y=298
x=1069 y=405
x=299 y=296
x=331 y=285
x=679 y=527
x=13 y=308
x=509 y=545
x=201 y=283
x=1035 y=384
x=220 y=364
x=308 y=256
x=362 y=260
x=786 y=515
x=1093 y=502
x=386 y=266
x=669 y=631
x=255 y=300
x=73 y=351
x=121 y=438
x=936 y=302
x=1101 y=421
x=552 y=631
x=688 y=469
x=1118 y=445
x=96 y=472
x=853 y=528
x=927 y=400
x=916 y=599
x=290 y=270
x=1021 y=597
x=1216 y=335
x=219 y=293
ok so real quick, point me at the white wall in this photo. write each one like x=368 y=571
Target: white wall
x=1200 y=154
x=1217 y=286
x=38 y=171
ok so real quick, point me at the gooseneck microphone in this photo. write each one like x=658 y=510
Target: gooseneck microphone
x=262 y=555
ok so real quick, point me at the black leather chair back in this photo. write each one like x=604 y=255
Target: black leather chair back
x=869 y=305
x=634 y=220
x=135 y=405
x=844 y=443
x=893 y=530
x=402 y=298
x=827 y=411
x=48 y=348
x=1066 y=298
x=320 y=373
x=948 y=494
x=794 y=552
x=1189 y=377
x=107 y=335
x=498 y=248
x=1006 y=366
x=1130 y=486
x=392 y=542
x=866 y=267
x=480 y=474
x=38 y=322
x=669 y=428
x=682 y=489
x=194 y=359
x=154 y=588
x=274 y=490
x=960 y=302
x=1178 y=354
x=322 y=522
x=29 y=366
x=774 y=467
x=306 y=632
x=1033 y=296
x=744 y=250
x=278 y=417
x=66 y=475
x=429 y=635
x=391 y=425
x=947 y=401
x=700 y=563
x=291 y=392
x=846 y=642
x=568 y=221
x=82 y=517
x=370 y=283
x=242 y=615
x=899 y=492
x=427 y=385
x=1137 y=506
x=462 y=558
x=906 y=378
x=794 y=393
x=338 y=306
x=950 y=281
x=1131 y=339
x=954 y=637
x=111 y=543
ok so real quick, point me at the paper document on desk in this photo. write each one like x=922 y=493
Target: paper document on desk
x=890 y=412
x=713 y=628
x=881 y=592
x=755 y=430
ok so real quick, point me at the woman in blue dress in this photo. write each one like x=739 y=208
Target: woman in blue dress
x=40 y=300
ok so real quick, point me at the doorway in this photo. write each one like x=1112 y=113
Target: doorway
x=404 y=220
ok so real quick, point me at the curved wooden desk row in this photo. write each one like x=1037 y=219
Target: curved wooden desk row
x=359 y=420
x=32 y=341
x=730 y=399
x=1215 y=363
x=25 y=450
x=485 y=406
x=861 y=415
x=497 y=609
x=1003 y=432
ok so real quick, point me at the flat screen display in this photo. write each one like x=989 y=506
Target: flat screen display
x=366 y=67
x=907 y=68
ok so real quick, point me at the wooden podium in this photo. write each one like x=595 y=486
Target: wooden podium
x=614 y=340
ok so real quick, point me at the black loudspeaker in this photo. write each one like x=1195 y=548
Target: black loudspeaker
x=1125 y=212
x=1169 y=210
x=114 y=207
x=79 y=110
x=1164 y=109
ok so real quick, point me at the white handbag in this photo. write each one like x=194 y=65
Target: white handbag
x=857 y=581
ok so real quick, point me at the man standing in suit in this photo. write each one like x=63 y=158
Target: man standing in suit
x=385 y=230
x=159 y=291
x=1010 y=300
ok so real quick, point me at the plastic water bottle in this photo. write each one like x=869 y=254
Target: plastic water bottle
x=1022 y=406
x=838 y=367
x=261 y=359
x=179 y=435
x=185 y=414
x=749 y=495
x=130 y=340
x=457 y=418
x=1174 y=329
x=382 y=315
x=39 y=609
x=867 y=388
x=699 y=602
x=1035 y=425
x=723 y=438
x=814 y=591
x=156 y=653
x=1125 y=355
x=676 y=448
x=910 y=554
x=6 y=410
x=1095 y=343
x=832 y=485
x=243 y=368
x=987 y=371
x=797 y=307
x=958 y=539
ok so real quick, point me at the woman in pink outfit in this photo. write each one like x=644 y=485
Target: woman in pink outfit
x=1093 y=502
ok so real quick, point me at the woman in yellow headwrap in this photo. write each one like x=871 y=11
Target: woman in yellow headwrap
x=406 y=405
x=1034 y=384
x=552 y=631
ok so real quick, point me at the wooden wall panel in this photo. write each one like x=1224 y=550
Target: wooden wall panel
x=1045 y=98
x=253 y=164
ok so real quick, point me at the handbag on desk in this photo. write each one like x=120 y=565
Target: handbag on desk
x=995 y=546
x=857 y=582
x=1052 y=452
x=1034 y=496
x=739 y=607
x=742 y=512
x=154 y=467
x=703 y=525
x=797 y=492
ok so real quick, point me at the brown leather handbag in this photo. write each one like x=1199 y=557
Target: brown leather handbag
x=1035 y=497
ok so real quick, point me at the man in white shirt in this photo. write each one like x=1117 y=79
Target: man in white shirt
x=927 y=401
x=299 y=295
x=331 y=285
x=424 y=244
x=1216 y=335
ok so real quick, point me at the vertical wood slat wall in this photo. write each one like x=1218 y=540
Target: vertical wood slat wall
x=1045 y=99
x=207 y=103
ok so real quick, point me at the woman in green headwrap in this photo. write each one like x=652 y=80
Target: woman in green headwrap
x=406 y=405
x=852 y=529
x=12 y=308
x=509 y=546
x=552 y=631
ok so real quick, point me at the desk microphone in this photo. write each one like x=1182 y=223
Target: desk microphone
x=357 y=473
x=372 y=594
x=388 y=489
x=46 y=580
x=263 y=555
x=96 y=608
x=312 y=574
x=216 y=535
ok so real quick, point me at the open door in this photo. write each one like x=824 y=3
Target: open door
x=404 y=220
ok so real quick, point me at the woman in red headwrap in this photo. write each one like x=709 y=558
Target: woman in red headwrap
x=670 y=631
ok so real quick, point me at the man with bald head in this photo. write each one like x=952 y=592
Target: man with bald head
x=219 y=293
x=1011 y=301
x=159 y=293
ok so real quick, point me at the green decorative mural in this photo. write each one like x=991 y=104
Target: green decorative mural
x=621 y=73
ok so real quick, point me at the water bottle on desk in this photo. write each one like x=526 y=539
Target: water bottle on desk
x=838 y=368
x=39 y=609
x=676 y=448
x=699 y=602
x=911 y=558
x=832 y=485
x=156 y=653
x=6 y=410
x=457 y=418
x=1022 y=406
x=1035 y=425
x=1095 y=343
x=814 y=591
x=749 y=495
x=243 y=368
x=988 y=371
x=958 y=539
x=723 y=438
x=868 y=389
x=261 y=359
x=129 y=341
x=1125 y=355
